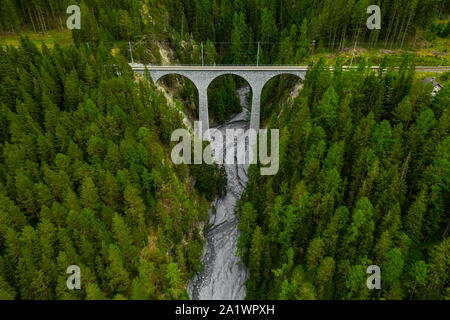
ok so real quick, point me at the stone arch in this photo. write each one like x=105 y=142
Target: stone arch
x=160 y=75
x=261 y=83
x=222 y=74
x=299 y=74
x=241 y=74
x=201 y=81
x=157 y=75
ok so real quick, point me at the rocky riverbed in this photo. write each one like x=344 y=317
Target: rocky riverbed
x=224 y=276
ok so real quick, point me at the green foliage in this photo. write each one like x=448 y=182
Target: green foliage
x=362 y=181
x=85 y=176
x=86 y=179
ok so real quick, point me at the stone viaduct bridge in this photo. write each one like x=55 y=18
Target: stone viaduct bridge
x=202 y=76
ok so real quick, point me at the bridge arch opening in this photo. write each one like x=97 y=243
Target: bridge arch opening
x=275 y=91
x=185 y=91
x=224 y=100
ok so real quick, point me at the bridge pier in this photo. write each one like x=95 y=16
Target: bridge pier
x=256 y=106
x=203 y=109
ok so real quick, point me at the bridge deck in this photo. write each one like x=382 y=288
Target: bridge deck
x=141 y=67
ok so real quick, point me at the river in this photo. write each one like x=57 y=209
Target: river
x=223 y=275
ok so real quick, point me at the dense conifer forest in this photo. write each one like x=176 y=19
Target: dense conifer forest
x=86 y=176
x=364 y=181
x=330 y=22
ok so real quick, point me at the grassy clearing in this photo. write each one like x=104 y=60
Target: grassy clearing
x=50 y=39
x=423 y=53
x=422 y=57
